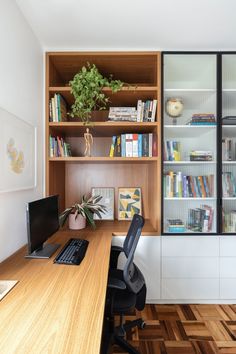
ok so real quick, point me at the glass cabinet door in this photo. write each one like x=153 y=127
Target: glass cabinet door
x=189 y=185
x=228 y=143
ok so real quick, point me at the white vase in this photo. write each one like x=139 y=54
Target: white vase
x=77 y=223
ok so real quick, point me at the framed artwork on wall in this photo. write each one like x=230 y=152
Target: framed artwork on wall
x=129 y=202
x=17 y=153
x=108 y=198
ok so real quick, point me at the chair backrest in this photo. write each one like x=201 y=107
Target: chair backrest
x=132 y=275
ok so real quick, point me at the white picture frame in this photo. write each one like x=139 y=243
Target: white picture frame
x=108 y=199
x=17 y=153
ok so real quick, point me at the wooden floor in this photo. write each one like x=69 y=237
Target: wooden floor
x=185 y=329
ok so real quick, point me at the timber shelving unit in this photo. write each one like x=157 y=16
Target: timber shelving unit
x=72 y=177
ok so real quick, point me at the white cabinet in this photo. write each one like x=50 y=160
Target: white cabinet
x=148 y=259
x=190 y=268
x=227 y=268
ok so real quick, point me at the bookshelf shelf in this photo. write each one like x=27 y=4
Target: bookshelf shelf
x=229 y=162
x=188 y=90
x=104 y=159
x=189 y=162
x=72 y=177
x=190 y=199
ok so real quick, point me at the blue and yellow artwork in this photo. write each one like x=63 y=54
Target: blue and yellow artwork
x=129 y=203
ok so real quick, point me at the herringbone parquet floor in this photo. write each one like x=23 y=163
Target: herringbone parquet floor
x=185 y=329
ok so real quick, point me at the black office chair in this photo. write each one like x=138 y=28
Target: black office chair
x=126 y=288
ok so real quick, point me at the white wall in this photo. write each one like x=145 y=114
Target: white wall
x=21 y=93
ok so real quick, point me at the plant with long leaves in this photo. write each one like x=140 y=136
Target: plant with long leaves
x=86 y=87
x=87 y=207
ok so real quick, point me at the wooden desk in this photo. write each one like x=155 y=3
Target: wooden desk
x=56 y=309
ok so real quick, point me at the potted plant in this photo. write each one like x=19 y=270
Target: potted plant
x=87 y=89
x=80 y=212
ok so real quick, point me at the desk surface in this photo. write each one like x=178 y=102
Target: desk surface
x=56 y=308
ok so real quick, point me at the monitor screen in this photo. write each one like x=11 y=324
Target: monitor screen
x=42 y=221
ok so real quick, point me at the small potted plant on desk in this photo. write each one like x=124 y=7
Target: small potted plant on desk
x=80 y=212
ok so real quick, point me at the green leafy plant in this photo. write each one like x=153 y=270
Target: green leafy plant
x=87 y=207
x=86 y=87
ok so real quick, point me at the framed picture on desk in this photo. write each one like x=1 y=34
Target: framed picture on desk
x=129 y=202
x=108 y=198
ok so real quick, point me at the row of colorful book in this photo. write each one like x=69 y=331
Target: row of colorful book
x=228 y=184
x=228 y=149
x=203 y=119
x=144 y=112
x=57 y=108
x=229 y=221
x=172 y=150
x=178 y=185
x=58 y=147
x=200 y=219
x=133 y=145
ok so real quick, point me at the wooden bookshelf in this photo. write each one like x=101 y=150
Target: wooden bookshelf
x=71 y=177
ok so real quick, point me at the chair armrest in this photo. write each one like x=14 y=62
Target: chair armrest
x=115 y=252
x=114 y=283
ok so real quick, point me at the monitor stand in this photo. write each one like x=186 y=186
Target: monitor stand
x=44 y=252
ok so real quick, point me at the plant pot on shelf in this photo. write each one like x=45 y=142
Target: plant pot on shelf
x=77 y=223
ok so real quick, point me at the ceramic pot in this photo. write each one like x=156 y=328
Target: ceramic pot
x=77 y=223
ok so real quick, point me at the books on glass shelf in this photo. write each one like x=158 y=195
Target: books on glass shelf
x=228 y=149
x=144 y=112
x=58 y=147
x=57 y=108
x=175 y=226
x=172 y=150
x=203 y=119
x=228 y=185
x=197 y=155
x=229 y=221
x=133 y=145
x=179 y=185
x=200 y=219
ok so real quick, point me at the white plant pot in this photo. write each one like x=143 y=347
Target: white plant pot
x=77 y=223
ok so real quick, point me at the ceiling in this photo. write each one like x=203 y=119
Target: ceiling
x=132 y=24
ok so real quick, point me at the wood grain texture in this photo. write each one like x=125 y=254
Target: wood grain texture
x=185 y=329
x=55 y=308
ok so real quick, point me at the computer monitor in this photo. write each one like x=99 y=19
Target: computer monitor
x=42 y=222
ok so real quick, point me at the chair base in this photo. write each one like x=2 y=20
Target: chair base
x=117 y=336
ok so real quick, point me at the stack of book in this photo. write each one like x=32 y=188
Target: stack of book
x=197 y=155
x=177 y=185
x=229 y=221
x=123 y=114
x=172 y=151
x=146 y=111
x=200 y=219
x=228 y=184
x=57 y=109
x=227 y=149
x=133 y=145
x=175 y=226
x=203 y=119
x=58 y=147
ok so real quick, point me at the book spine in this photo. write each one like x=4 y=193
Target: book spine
x=135 y=145
x=123 y=145
x=154 y=108
x=139 y=111
x=145 y=147
x=140 y=138
x=129 y=145
x=150 y=142
x=112 y=148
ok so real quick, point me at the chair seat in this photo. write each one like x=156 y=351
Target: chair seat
x=123 y=301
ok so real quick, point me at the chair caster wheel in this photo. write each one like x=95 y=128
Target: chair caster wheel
x=142 y=325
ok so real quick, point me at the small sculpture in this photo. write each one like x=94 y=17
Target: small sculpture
x=88 y=142
x=174 y=108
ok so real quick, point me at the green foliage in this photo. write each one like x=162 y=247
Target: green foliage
x=86 y=88
x=86 y=208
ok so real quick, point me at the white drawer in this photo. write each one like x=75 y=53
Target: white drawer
x=190 y=246
x=228 y=289
x=190 y=289
x=228 y=267
x=187 y=267
x=228 y=246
